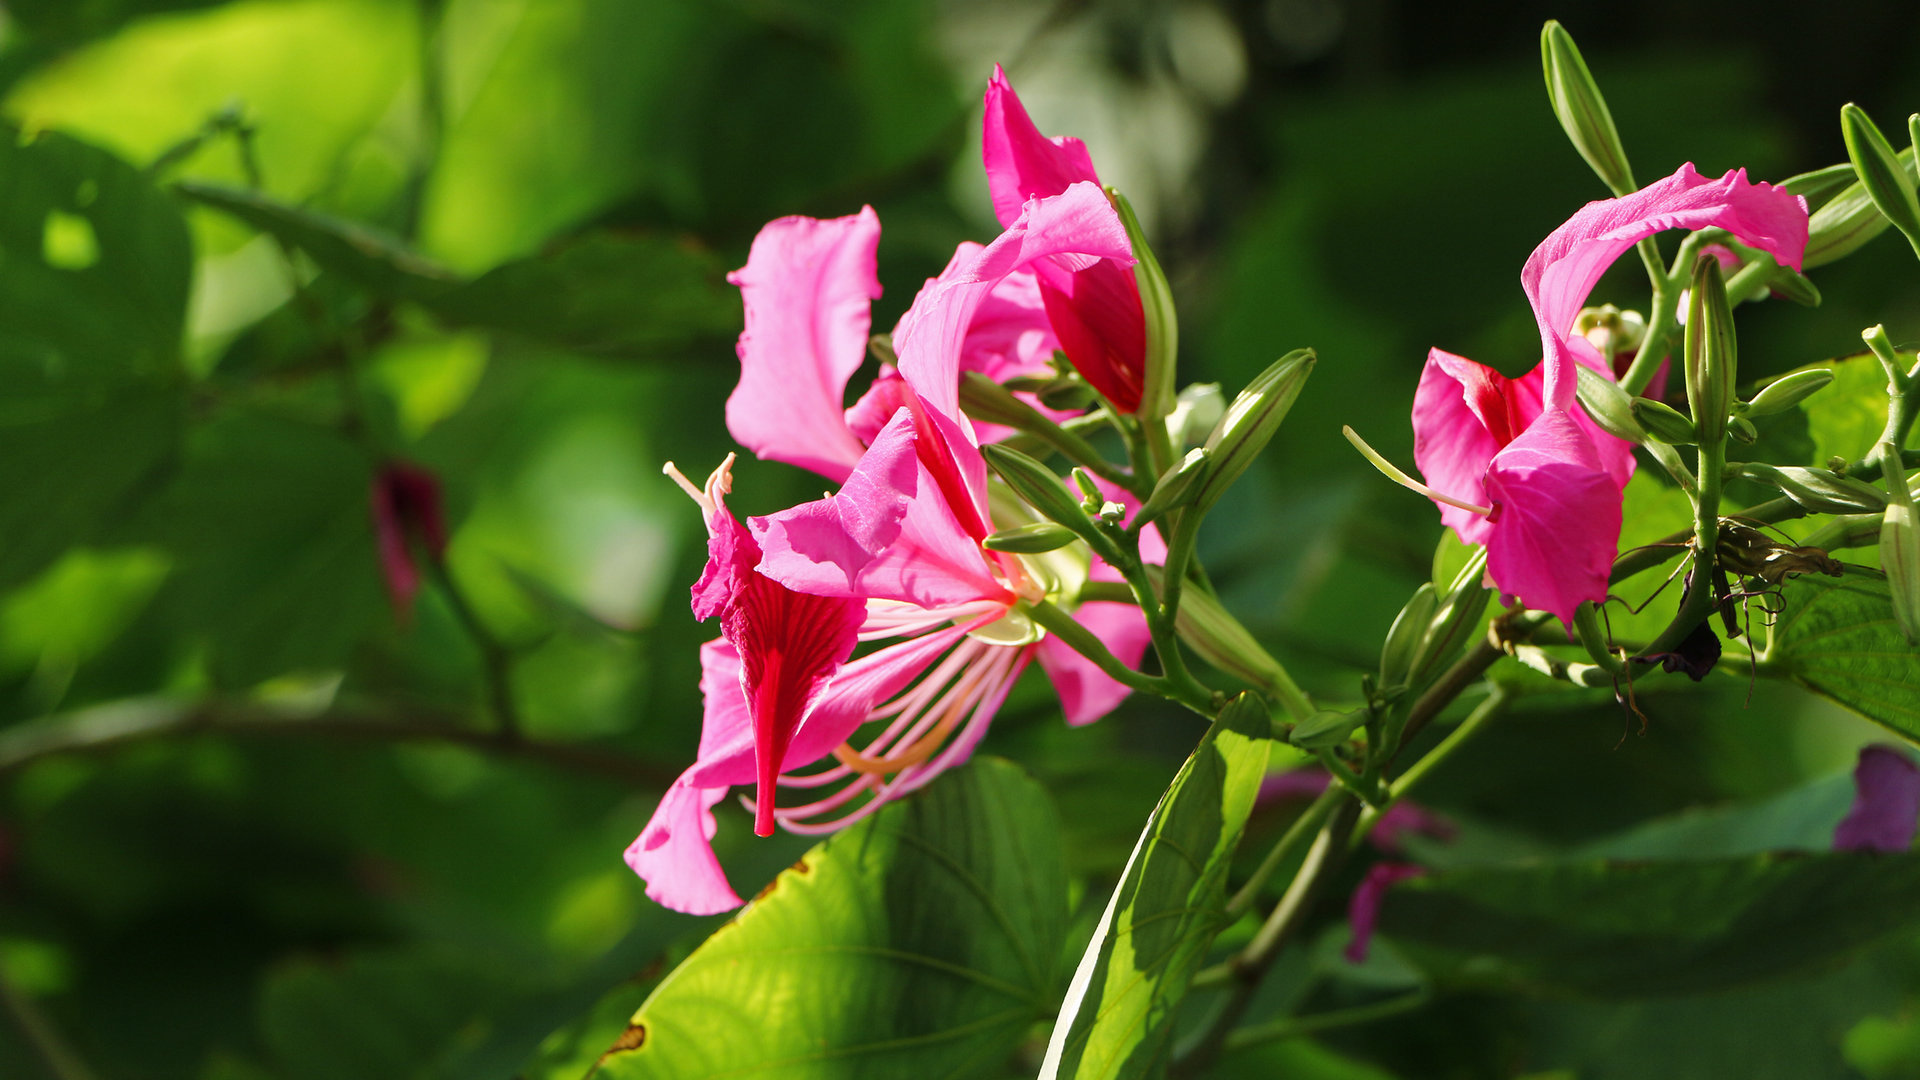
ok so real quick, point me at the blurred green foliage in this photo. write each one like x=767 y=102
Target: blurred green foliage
x=252 y=250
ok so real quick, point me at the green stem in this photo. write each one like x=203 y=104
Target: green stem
x=1087 y=644
x=496 y=660
x=1282 y=850
x=1479 y=718
x=1697 y=605
x=53 y=1049
x=1293 y=1027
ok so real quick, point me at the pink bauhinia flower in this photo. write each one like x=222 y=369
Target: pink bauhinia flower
x=1516 y=464
x=893 y=560
x=1094 y=307
x=405 y=501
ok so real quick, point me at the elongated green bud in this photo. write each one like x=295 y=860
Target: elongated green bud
x=1249 y=423
x=1820 y=183
x=1887 y=183
x=1663 y=422
x=1582 y=111
x=1400 y=650
x=1848 y=220
x=1176 y=487
x=1791 y=285
x=1456 y=620
x=1035 y=539
x=1038 y=485
x=1163 y=322
x=1818 y=491
x=1712 y=357
x=1741 y=430
x=1610 y=406
x=1220 y=639
x=1787 y=391
x=1900 y=545
x=1328 y=729
x=984 y=399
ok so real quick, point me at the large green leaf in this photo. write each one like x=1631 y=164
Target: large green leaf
x=1838 y=638
x=919 y=942
x=1627 y=928
x=1120 y=1006
x=93 y=294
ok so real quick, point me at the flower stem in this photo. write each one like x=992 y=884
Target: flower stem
x=52 y=1047
x=1292 y=1027
x=1089 y=645
x=1481 y=715
x=1282 y=850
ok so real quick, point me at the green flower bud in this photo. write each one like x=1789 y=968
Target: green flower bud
x=1582 y=111
x=1787 y=391
x=1220 y=639
x=1195 y=410
x=1887 y=182
x=984 y=399
x=1593 y=637
x=1176 y=486
x=1610 y=329
x=1036 y=484
x=1398 y=654
x=1819 y=491
x=1456 y=620
x=1900 y=545
x=1847 y=221
x=1663 y=422
x=1820 y=183
x=1035 y=539
x=1163 y=323
x=1610 y=406
x=1741 y=430
x=1793 y=286
x=1712 y=357
x=1249 y=423
x=1326 y=729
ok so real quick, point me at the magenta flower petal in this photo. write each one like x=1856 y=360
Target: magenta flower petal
x=1556 y=521
x=1022 y=163
x=674 y=853
x=1886 y=803
x=1010 y=334
x=808 y=287
x=1363 y=910
x=1102 y=327
x=1463 y=414
x=1563 y=270
x=1086 y=692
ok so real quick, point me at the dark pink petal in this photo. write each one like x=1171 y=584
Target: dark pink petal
x=1010 y=334
x=808 y=287
x=1086 y=692
x=1363 y=910
x=1074 y=228
x=674 y=853
x=1021 y=163
x=888 y=394
x=396 y=562
x=1292 y=784
x=405 y=501
x=1463 y=414
x=1404 y=819
x=1556 y=520
x=1886 y=803
x=1102 y=327
x=1563 y=270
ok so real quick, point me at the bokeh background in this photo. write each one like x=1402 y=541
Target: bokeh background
x=286 y=846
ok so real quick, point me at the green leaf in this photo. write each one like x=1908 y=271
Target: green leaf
x=604 y=294
x=1167 y=909
x=1629 y=928
x=373 y=260
x=1847 y=417
x=1838 y=638
x=919 y=942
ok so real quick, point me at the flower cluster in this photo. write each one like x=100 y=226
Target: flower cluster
x=870 y=633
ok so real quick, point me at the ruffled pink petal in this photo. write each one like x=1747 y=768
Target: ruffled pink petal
x=1022 y=163
x=808 y=287
x=1363 y=910
x=889 y=533
x=1886 y=803
x=1010 y=334
x=674 y=853
x=1615 y=454
x=1463 y=414
x=1079 y=224
x=1563 y=270
x=1086 y=692
x=888 y=394
x=1556 y=521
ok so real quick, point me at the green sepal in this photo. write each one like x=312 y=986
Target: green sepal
x=1608 y=405
x=1038 y=485
x=1663 y=422
x=1327 y=729
x=1787 y=391
x=1162 y=321
x=1399 y=652
x=1176 y=487
x=1581 y=109
x=1887 y=183
x=1037 y=538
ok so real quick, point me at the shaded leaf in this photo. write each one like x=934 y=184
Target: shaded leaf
x=1838 y=638
x=921 y=941
x=1120 y=1006
x=1612 y=928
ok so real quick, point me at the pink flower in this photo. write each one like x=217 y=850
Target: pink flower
x=1886 y=803
x=405 y=501
x=893 y=560
x=1095 y=308
x=1518 y=464
x=1363 y=908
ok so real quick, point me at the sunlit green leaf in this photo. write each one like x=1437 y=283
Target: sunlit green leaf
x=1838 y=637
x=921 y=942
x=1120 y=1006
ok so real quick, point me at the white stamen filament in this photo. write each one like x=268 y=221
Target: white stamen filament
x=1390 y=472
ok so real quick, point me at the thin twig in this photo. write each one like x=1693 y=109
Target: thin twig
x=47 y=1041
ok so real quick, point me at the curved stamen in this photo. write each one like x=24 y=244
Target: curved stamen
x=1390 y=472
